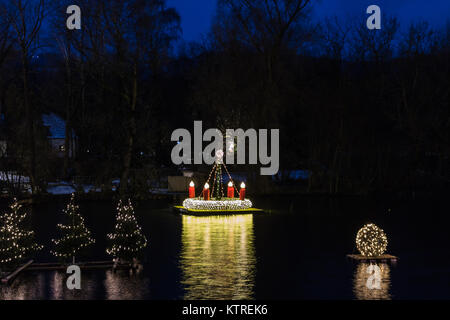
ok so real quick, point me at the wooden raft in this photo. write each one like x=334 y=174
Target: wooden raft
x=9 y=278
x=194 y=212
x=83 y=265
x=31 y=266
x=384 y=257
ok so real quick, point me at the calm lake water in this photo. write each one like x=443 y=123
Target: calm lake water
x=297 y=250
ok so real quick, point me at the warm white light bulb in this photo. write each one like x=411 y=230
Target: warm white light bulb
x=242 y=185
x=192 y=184
x=219 y=154
x=206 y=185
x=230 y=184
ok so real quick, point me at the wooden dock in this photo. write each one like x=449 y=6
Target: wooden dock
x=9 y=278
x=31 y=266
x=83 y=265
x=382 y=258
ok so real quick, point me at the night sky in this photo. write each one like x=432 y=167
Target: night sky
x=197 y=14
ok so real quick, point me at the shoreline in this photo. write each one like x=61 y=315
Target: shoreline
x=177 y=196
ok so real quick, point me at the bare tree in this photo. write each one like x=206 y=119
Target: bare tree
x=335 y=35
x=65 y=44
x=267 y=25
x=27 y=17
x=125 y=44
x=374 y=45
x=420 y=39
x=6 y=44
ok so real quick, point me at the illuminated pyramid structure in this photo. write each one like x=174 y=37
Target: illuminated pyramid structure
x=212 y=198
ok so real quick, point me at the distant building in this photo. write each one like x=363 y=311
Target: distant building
x=56 y=135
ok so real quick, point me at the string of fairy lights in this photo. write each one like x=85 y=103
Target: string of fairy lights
x=216 y=171
x=371 y=241
x=75 y=236
x=229 y=177
x=194 y=204
x=218 y=202
x=127 y=240
x=16 y=242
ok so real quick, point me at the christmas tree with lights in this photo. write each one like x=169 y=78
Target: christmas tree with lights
x=127 y=240
x=16 y=242
x=75 y=237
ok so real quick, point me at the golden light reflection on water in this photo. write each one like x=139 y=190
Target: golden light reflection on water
x=372 y=281
x=218 y=257
x=20 y=289
x=59 y=291
x=120 y=285
x=124 y=285
x=48 y=286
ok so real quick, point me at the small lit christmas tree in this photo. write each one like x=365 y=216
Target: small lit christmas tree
x=75 y=237
x=217 y=185
x=16 y=241
x=127 y=240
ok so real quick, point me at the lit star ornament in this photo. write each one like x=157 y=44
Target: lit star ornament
x=219 y=156
x=231 y=148
x=371 y=241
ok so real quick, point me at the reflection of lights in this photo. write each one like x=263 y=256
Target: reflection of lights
x=52 y=286
x=372 y=281
x=218 y=257
x=59 y=289
x=28 y=286
x=371 y=241
x=121 y=285
x=57 y=285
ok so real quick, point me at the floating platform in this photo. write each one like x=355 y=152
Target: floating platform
x=197 y=212
x=384 y=257
x=83 y=265
x=10 y=278
x=55 y=266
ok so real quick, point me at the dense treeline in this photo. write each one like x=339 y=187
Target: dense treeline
x=362 y=110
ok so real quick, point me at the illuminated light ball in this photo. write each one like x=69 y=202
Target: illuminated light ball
x=371 y=241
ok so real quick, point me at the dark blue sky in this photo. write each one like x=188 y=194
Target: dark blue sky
x=197 y=14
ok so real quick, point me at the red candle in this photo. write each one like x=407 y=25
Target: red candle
x=206 y=192
x=242 y=192
x=230 y=192
x=192 y=190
